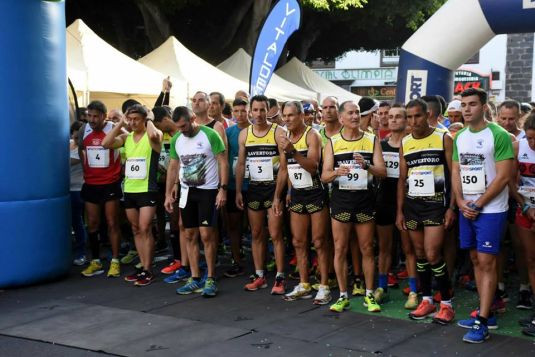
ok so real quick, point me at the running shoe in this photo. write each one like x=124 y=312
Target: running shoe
x=323 y=297
x=340 y=305
x=94 y=268
x=412 y=301
x=279 y=288
x=191 y=286
x=423 y=310
x=492 y=323
x=234 y=271
x=477 y=334
x=371 y=304
x=270 y=266
x=256 y=283
x=358 y=288
x=81 y=260
x=404 y=274
x=529 y=330
x=172 y=267
x=144 y=278
x=115 y=269
x=294 y=274
x=180 y=275
x=333 y=284
x=380 y=295
x=445 y=315
x=210 y=288
x=160 y=246
x=526 y=321
x=293 y=260
x=497 y=307
x=132 y=277
x=392 y=281
x=524 y=300
x=502 y=294
x=129 y=257
x=300 y=291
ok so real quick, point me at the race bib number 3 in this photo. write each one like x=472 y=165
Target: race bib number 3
x=98 y=157
x=472 y=179
x=392 y=164
x=421 y=183
x=529 y=195
x=260 y=168
x=299 y=177
x=356 y=179
x=136 y=168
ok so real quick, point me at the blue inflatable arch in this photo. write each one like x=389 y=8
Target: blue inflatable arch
x=450 y=37
x=34 y=159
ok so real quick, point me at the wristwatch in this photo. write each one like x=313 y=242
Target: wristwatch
x=292 y=153
x=224 y=187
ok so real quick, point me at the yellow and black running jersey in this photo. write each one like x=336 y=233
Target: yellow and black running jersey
x=301 y=179
x=427 y=166
x=262 y=155
x=344 y=150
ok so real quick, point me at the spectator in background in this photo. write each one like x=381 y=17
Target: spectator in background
x=454 y=112
x=383 y=130
x=82 y=114
x=274 y=113
x=77 y=205
x=227 y=112
x=115 y=115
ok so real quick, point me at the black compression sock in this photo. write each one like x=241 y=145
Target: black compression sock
x=424 y=273
x=95 y=245
x=440 y=272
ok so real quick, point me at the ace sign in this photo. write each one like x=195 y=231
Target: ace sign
x=468 y=79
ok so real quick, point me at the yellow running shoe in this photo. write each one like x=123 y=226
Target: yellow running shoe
x=373 y=306
x=340 y=305
x=358 y=288
x=129 y=257
x=94 y=268
x=115 y=269
x=412 y=301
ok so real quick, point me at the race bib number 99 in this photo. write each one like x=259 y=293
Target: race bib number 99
x=421 y=183
x=356 y=179
x=136 y=168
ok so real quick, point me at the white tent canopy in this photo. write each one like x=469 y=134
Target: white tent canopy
x=175 y=59
x=239 y=65
x=99 y=71
x=298 y=73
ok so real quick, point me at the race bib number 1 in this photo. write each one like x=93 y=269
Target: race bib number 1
x=392 y=164
x=98 y=157
x=260 y=168
x=421 y=183
x=299 y=177
x=472 y=179
x=356 y=179
x=136 y=168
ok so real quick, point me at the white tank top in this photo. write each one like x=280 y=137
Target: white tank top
x=526 y=166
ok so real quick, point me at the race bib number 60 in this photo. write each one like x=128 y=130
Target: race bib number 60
x=136 y=168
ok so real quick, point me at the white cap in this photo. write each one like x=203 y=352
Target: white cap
x=454 y=106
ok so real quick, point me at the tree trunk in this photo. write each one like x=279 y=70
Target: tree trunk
x=157 y=26
x=233 y=24
x=301 y=47
x=259 y=13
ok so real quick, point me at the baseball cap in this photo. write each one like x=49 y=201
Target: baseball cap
x=454 y=106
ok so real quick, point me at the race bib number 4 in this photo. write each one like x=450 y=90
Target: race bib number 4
x=299 y=177
x=421 y=183
x=356 y=179
x=472 y=179
x=260 y=168
x=136 y=168
x=529 y=195
x=392 y=164
x=98 y=157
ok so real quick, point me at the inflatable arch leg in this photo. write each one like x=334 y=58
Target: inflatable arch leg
x=34 y=164
x=450 y=37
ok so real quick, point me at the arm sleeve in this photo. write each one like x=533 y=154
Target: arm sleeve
x=172 y=153
x=503 y=146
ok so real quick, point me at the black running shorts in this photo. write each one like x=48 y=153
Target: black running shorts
x=352 y=206
x=260 y=196
x=138 y=200
x=99 y=194
x=200 y=210
x=419 y=213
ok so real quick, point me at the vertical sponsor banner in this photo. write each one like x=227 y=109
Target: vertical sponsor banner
x=416 y=84
x=282 y=21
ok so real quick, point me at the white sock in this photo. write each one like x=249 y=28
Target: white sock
x=428 y=298
x=368 y=292
x=115 y=260
x=501 y=286
x=343 y=294
x=260 y=273
x=524 y=287
x=446 y=302
x=279 y=275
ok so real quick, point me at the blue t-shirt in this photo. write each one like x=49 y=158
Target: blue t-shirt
x=233 y=134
